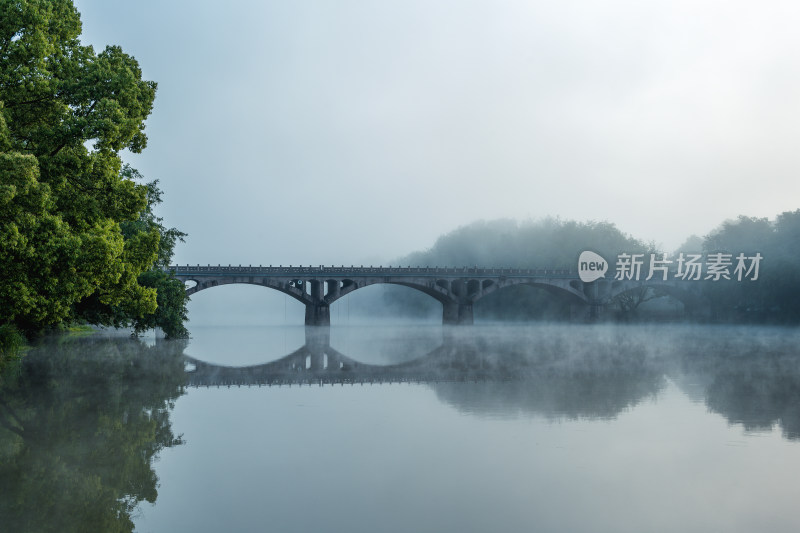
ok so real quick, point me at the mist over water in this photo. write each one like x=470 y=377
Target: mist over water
x=416 y=427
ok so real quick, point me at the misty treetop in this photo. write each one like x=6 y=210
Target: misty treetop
x=545 y=243
x=775 y=297
x=76 y=228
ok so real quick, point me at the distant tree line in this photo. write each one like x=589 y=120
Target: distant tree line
x=555 y=243
x=79 y=240
x=775 y=296
x=546 y=243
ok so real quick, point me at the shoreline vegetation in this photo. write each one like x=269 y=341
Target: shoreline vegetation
x=80 y=243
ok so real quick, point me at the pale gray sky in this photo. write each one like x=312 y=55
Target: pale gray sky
x=355 y=131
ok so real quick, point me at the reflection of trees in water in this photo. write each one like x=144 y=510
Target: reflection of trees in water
x=749 y=375
x=558 y=375
x=82 y=425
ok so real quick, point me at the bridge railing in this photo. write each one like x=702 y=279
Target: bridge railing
x=361 y=270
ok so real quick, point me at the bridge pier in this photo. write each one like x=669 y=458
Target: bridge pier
x=455 y=314
x=318 y=314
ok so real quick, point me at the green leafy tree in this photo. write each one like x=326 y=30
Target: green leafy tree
x=171 y=312
x=66 y=114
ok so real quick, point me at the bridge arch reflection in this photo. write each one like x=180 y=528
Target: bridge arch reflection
x=474 y=372
x=318 y=362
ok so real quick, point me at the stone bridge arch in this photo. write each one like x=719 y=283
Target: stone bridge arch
x=204 y=284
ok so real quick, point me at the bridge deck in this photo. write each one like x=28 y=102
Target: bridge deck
x=362 y=271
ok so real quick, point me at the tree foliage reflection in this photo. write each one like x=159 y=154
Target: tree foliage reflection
x=81 y=426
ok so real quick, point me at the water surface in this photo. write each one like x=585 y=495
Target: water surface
x=413 y=428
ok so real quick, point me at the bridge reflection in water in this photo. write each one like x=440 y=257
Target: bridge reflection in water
x=317 y=362
x=508 y=373
x=753 y=378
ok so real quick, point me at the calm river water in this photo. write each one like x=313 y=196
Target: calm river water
x=407 y=429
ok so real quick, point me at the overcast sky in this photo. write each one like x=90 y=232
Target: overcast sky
x=358 y=131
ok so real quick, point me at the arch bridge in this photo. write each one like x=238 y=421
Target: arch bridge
x=456 y=288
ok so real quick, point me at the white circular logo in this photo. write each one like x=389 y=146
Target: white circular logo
x=591 y=266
